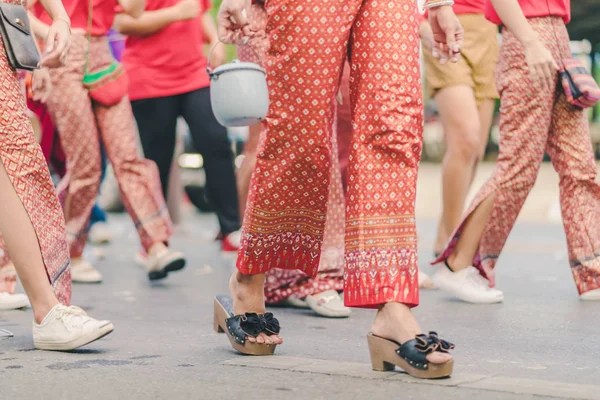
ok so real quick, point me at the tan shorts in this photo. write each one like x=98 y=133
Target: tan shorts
x=477 y=64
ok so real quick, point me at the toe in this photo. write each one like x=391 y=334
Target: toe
x=260 y=339
x=438 y=357
x=252 y=339
x=277 y=339
x=267 y=339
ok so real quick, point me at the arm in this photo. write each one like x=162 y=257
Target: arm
x=134 y=8
x=39 y=29
x=55 y=10
x=150 y=22
x=153 y=21
x=57 y=36
x=511 y=15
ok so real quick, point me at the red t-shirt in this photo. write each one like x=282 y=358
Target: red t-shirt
x=170 y=61
x=103 y=14
x=535 y=8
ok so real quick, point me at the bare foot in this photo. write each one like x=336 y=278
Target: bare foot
x=395 y=321
x=247 y=292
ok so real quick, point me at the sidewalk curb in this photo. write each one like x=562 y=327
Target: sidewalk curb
x=462 y=381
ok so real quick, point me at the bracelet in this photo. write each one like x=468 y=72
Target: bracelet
x=437 y=3
x=66 y=20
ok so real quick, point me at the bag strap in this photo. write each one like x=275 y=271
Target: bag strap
x=88 y=35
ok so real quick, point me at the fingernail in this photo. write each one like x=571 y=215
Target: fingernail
x=456 y=48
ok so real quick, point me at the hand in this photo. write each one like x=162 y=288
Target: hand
x=233 y=21
x=187 y=9
x=218 y=56
x=58 y=43
x=41 y=85
x=448 y=34
x=426 y=35
x=542 y=65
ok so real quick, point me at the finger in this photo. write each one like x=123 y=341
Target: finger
x=239 y=16
x=450 y=41
x=540 y=76
x=435 y=50
x=443 y=53
x=50 y=41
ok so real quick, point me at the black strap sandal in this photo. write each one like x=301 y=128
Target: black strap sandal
x=239 y=327
x=411 y=356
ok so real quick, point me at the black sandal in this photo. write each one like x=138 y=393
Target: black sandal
x=239 y=327
x=411 y=356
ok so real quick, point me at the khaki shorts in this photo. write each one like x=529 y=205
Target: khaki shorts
x=477 y=65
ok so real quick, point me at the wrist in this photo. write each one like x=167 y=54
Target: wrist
x=64 y=19
x=436 y=4
x=529 y=40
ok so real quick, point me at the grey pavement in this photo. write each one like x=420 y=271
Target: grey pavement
x=541 y=343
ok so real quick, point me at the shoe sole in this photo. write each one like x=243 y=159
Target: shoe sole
x=220 y=325
x=173 y=266
x=76 y=343
x=466 y=299
x=384 y=358
x=14 y=306
x=86 y=282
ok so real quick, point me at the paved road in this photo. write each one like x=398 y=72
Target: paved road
x=541 y=343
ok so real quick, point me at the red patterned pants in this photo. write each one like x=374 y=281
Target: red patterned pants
x=81 y=124
x=534 y=121
x=28 y=172
x=285 y=218
x=283 y=283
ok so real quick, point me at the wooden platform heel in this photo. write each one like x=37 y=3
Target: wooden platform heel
x=388 y=354
x=239 y=327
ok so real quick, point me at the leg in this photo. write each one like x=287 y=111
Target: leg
x=570 y=150
x=387 y=112
x=462 y=129
x=138 y=178
x=285 y=218
x=74 y=118
x=210 y=139
x=244 y=172
x=31 y=219
x=157 y=122
x=479 y=239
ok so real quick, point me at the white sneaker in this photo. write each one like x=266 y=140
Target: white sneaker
x=13 y=301
x=67 y=328
x=328 y=304
x=84 y=272
x=592 y=295
x=468 y=285
x=425 y=281
x=162 y=262
x=100 y=233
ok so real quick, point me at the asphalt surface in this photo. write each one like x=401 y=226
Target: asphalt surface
x=541 y=342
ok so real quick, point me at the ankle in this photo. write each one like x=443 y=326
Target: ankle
x=157 y=248
x=42 y=308
x=455 y=263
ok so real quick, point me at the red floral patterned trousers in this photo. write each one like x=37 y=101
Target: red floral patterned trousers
x=533 y=121
x=283 y=283
x=81 y=124
x=286 y=213
x=27 y=169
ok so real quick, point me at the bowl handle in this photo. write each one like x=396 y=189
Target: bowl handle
x=209 y=69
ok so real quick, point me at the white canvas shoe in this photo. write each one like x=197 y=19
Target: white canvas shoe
x=160 y=263
x=100 y=233
x=328 y=304
x=84 y=272
x=467 y=285
x=425 y=281
x=592 y=295
x=67 y=328
x=13 y=301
